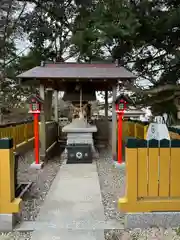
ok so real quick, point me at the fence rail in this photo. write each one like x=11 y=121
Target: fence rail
x=133 y=129
x=20 y=132
x=152 y=171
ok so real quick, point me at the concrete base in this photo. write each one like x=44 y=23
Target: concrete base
x=121 y=166
x=155 y=219
x=37 y=166
x=7 y=222
x=43 y=158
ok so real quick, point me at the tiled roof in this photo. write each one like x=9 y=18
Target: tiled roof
x=78 y=71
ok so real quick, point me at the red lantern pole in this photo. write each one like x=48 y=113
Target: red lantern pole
x=120 y=119
x=36 y=137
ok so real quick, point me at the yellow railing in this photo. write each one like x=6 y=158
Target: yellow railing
x=136 y=130
x=8 y=203
x=174 y=135
x=152 y=176
x=21 y=133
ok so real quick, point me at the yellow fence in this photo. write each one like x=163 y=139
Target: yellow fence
x=152 y=176
x=174 y=135
x=21 y=133
x=136 y=130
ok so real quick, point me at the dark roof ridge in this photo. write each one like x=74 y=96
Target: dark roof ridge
x=79 y=63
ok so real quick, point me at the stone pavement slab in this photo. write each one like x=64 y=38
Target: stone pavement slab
x=73 y=207
x=79 y=225
x=70 y=234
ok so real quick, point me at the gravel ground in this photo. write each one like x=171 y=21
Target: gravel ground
x=112 y=183
x=33 y=199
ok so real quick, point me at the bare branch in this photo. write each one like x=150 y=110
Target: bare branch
x=5 y=31
x=153 y=90
x=158 y=89
x=133 y=88
x=18 y=18
x=50 y=13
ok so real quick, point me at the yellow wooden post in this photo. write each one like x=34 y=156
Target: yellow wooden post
x=164 y=168
x=14 y=137
x=174 y=169
x=128 y=129
x=142 y=173
x=125 y=129
x=135 y=131
x=131 y=177
x=8 y=202
x=152 y=177
x=153 y=166
x=25 y=132
x=145 y=131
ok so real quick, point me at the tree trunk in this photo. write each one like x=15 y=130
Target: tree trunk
x=1 y=97
x=1 y=116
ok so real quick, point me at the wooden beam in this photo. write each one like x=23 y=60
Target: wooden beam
x=114 y=123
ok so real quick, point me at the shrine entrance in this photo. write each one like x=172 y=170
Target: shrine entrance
x=54 y=77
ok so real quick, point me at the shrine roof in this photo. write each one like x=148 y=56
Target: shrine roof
x=77 y=71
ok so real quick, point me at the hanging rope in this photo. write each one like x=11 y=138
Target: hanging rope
x=81 y=99
x=81 y=111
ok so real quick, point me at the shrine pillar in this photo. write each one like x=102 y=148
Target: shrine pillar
x=106 y=105
x=56 y=105
x=114 y=122
x=42 y=133
x=48 y=104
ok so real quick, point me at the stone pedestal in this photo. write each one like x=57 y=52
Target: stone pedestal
x=85 y=138
x=37 y=166
x=80 y=132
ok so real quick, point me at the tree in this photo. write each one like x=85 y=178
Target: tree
x=10 y=13
x=48 y=26
x=103 y=28
x=143 y=36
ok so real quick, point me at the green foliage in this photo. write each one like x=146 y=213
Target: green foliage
x=106 y=25
x=48 y=27
x=143 y=35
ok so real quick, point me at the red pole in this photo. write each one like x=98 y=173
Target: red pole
x=36 y=137
x=120 y=138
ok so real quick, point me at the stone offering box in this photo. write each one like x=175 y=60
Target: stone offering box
x=80 y=132
x=79 y=153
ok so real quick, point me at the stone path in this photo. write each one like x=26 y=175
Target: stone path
x=73 y=207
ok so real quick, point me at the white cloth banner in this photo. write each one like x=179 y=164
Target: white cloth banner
x=157 y=131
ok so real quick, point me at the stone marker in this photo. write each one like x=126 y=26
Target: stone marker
x=157 y=131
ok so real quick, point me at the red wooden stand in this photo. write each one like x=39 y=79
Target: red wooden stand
x=121 y=106
x=36 y=137
x=120 y=119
